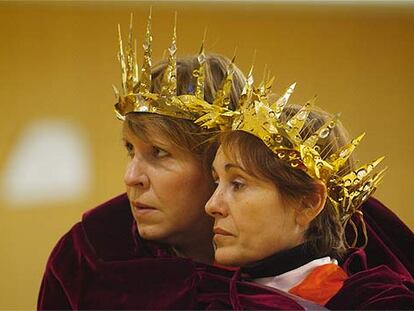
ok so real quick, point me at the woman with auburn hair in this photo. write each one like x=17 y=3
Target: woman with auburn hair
x=286 y=191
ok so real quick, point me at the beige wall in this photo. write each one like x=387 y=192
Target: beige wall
x=57 y=61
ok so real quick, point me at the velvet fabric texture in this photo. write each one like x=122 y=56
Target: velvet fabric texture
x=381 y=275
x=377 y=288
x=390 y=241
x=101 y=264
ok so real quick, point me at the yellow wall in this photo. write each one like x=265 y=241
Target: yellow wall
x=58 y=60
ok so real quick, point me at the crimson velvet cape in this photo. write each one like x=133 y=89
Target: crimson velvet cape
x=102 y=263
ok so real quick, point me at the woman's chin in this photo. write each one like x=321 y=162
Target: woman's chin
x=151 y=233
x=225 y=258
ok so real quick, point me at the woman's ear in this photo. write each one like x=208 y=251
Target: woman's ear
x=312 y=205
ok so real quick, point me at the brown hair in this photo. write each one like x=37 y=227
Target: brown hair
x=325 y=232
x=184 y=134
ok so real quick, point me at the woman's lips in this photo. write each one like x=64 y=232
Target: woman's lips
x=218 y=230
x=142 y=209
x=220 y=234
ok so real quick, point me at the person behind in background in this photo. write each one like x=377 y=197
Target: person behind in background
x=286 y=190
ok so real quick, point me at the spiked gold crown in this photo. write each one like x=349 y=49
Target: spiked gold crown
x=136 y=94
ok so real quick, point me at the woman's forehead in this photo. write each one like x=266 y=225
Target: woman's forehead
x=153 y=136
x=146 y=134
x=226 y=159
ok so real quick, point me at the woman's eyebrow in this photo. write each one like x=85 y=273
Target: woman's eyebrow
x=239 y=170
x=230 y=166
x=227 y=167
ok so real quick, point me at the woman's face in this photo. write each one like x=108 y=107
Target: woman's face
x=252 y=221
x=167 y=189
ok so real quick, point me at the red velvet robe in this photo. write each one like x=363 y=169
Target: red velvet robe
x=377 y=288
x=100 y=264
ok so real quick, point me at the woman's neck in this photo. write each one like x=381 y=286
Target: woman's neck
x=198 y=253
x=197 y=245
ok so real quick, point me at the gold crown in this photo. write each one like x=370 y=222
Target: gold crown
x=136 y=94
x=261 y=116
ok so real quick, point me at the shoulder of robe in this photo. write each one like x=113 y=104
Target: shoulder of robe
x=105 y=232
x=388 y=239
x=376 y=288
x=107 y=229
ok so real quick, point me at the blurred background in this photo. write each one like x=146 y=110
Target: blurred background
x=60 y=147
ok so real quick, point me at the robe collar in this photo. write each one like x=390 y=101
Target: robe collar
x=281 y=262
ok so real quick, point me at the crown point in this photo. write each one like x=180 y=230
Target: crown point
x=116 y=92
x=169 y=81
x=377 y=161
x=205 y=34
x=378 y=181
x=358 y=139
x=380 y=175
x=253 y=61
x=199 y=73
x=250 y=74
x=380 y=159
x=234 y=55
x=175 y=23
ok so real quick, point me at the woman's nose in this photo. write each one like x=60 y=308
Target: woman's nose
x=216 y=205
x=135 y=174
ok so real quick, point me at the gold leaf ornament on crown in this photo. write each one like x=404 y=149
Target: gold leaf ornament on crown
x=256 y=113
x=136 y=92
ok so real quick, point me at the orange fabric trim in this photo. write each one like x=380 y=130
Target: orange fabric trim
x=321 y=284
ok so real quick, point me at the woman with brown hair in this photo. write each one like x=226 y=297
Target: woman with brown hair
x=140 y=250
x=286 y=191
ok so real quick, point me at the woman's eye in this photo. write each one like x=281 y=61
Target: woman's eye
x=236 y=185
x=130 y=149
x=158 y=152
